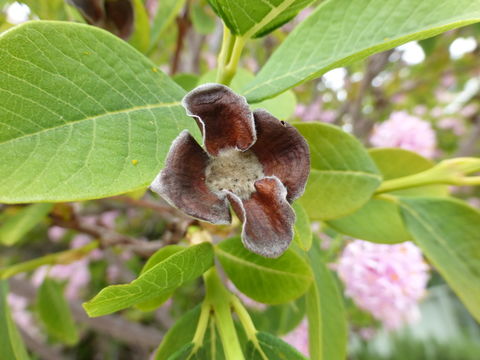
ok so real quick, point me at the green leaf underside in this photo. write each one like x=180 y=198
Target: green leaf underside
x=83 y=114
x=273 y=347
x=343 y=176
x=11 y=345
x=54 y=312
x=271 y=281
x=327 y=323
x=180 y=334
x=303 y=231
x=254 y=18
x=447 y=231
x=164 y=277
x=153 y=260
x=341 y=32
x=17 y=226
x=379 y=220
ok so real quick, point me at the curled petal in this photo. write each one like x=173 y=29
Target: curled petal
x=267 y=218
x=223 y=117
x=283 y=152
x=182 y=182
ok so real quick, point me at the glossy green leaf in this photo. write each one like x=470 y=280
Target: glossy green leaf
x=156 y=258
x=303 y=230
x=161 y=279
x=17 y=226
x=273 y=347
x=180 y=334
x=379 y=219
x=271 y=281
x=282 y=106
x=328 y=331
x=279 y=319
x=54 y=312
x=341 y=32
x=447 y=231
x=343 y=176
x=253 y=18
x=83 y=114
x=11 y=344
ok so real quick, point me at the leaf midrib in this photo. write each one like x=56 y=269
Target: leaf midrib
x=259 y=267
x=94 y=118
x=272 y=14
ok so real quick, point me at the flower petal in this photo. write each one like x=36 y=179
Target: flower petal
x=182 y=182
x=223 y=117
x=267 y=218
x=283 y=152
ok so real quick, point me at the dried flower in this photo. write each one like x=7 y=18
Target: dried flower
x=407 y=132
x=253 y=161
x=385 y=280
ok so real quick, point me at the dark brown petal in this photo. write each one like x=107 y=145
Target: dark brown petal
x=120 y=17
x=91 y=10
x=267 y=218
x=223 y=117
x=182 y=182
x=283 y=152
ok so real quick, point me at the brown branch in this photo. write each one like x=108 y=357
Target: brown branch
x=40 y=349
x=183 y=26
x=375 y=65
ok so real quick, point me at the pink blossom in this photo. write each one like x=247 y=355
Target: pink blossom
x=22 y=316
x=450 y=123
x=56 y=233
x=298 y=338
x=386 y=280
x=407 y=132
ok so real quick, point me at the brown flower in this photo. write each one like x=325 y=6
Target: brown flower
x=253 y=161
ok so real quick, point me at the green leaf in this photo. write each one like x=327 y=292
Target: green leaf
x=341 y=32
x=203 y=22
x=343 y=176
x=17 y=226
x=447 y=231
x=166 y=13
x=282 y=106
x=54 y=312
x=279 y=319
x=253 y=18
x=273 y=347
x=271 y=281
x=379 y=219
x=83 y=114
x=11 y=343
x=186 y=80
x=162 y=278
x=180 y=334
x=303 y=231
x=140 y=38
x=328 y=331
x=156 y=258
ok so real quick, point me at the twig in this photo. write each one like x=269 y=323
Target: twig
x=375 y=64
x=40 y=349
x=183 y=25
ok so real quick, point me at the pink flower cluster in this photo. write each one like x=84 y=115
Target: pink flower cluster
x=407 y=132
x=386 y=280
x=298 y=338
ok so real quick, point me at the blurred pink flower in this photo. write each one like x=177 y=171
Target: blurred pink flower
x=386 y=280
x=298 y=338
x=56 y=233
x=450 y=123
x=407 y=132
x=314 y=112
x=22 y=316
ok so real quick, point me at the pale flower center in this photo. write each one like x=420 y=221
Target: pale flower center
x=235 y=171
